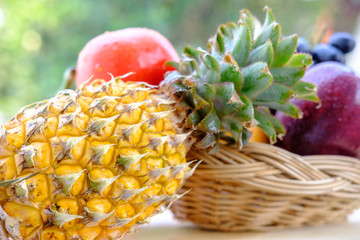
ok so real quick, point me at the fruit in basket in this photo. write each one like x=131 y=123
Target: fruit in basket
x=343 y=41
x=94 y=163
x=303 y=46
x=258 y=135
x=139 y=50
x=325 y=52
x=333 y=128
x=339 y=44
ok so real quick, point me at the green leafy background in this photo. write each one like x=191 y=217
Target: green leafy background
x=39 y=39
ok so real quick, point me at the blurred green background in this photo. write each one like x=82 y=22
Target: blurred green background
x=39 y=39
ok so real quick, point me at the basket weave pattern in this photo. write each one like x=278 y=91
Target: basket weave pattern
x=263 y=187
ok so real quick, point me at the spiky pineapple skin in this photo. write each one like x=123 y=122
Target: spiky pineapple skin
x=102 y=160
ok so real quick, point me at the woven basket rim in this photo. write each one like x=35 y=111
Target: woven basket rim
x=263 y=187
x=303 y=177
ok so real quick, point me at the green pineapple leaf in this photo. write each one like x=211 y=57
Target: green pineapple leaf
x=251 y=21
x=288 y=76
x=211 y=123
x=306 y=91
x=257 y=78
x=300 y=60
x=287 y=108
x=241 y=47
x=206 y=142
x=269 y=17
x=245 y=113
x=263 y=53
x=276 y=93
x=278 y=126
x=231 y=73
x=224 y=93
x=265 y=125
x=285 y=50
x=247 y=69
x=206 y=91
x=232 y=125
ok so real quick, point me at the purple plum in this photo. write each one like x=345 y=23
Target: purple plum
x=332 y=127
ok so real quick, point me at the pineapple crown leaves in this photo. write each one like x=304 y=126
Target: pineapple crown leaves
x=248 y=67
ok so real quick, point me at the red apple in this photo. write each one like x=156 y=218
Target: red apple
x=139 y=50
x=332 y=127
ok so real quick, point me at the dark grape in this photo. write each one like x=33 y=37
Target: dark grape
x=303 y=46
x=344 y=41
x=326 y=52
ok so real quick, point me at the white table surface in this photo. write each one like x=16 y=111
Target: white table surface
x=165 y=227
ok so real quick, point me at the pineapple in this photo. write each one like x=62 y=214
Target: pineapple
x=90 y=164
x=93 y=163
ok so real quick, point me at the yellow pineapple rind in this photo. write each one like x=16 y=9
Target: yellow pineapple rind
x=104 y=158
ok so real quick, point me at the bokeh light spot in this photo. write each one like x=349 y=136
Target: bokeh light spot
x=31 y=40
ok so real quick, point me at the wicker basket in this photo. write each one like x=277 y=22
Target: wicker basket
x=263 y=187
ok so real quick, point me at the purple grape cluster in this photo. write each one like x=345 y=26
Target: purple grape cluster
x=339 y=44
